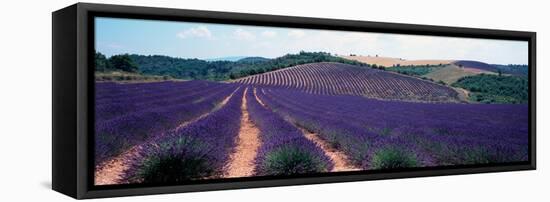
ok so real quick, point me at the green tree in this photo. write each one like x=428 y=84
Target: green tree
x=487 y=88
x=123 y=62
x=101 y=63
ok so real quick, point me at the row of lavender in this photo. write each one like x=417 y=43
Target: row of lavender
x=342 y=79
x=196 y=151
x=145 y=118
x=201 y=149
x=108 y=90
x=374 y=134
x=132 y=98
x=284 y=150
x=387 y=134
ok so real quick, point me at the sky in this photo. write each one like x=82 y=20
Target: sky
x=209 y=41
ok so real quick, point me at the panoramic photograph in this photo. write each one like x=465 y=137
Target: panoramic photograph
x=181 y=102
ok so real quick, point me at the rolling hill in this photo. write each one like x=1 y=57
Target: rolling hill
x=253 y=59
x=388 y=61
x=475 y=66
x=468 y=65
x=514 y=69
x=450 y=74
x=219 y=70
x=230 y=58
x=342 y=79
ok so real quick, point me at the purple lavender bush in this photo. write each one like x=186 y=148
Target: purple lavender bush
x=111 y=106
x=199 y=150
x=113 y=136
x=430 y=134
x=354 y=141
x=284 y=150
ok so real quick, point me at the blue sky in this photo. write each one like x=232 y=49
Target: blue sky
x=206 y=41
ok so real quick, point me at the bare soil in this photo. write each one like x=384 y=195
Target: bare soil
x=241 y=161
x=110 y=172
x=257 y=98
x=463 y=94
x=340 y=160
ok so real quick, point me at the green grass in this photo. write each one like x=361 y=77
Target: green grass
x=448 y=75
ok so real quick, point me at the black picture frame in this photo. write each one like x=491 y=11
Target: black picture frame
x=73 y=87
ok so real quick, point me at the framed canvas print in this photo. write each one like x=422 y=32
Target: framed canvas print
x=154 y=100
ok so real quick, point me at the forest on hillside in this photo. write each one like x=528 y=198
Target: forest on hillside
x=486 y=88
x=193 y=69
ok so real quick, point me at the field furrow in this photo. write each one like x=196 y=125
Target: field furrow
x=113 y=170
x=241 y=161
x=284 y=149
x=114 y=136
x=327 y=78
x=191 y=152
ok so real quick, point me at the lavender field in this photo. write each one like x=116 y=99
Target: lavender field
x=314 y=118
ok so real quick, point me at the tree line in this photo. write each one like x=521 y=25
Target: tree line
x=116 y=62
x=192 y=68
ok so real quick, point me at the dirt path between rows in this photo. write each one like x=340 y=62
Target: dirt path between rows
x=340 y=160
x=258 y=99
x=241 y=161
x=111 y=171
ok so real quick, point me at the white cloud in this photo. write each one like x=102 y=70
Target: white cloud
x=277 y=42
x=200 y=32
x=269 y=34
x=337 y=42
x=242 y=34
x=296 y=33
x=485 y=50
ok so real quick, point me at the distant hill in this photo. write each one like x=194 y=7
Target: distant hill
x=232 y=59
x=254 y=59
x=192 y=68
x=475 y=65
x=331 y=78
x=467 y=65
x=517 y=70
x=389 y=62
x=449 y=74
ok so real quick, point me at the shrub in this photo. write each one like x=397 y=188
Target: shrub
x=289 y=160
x=177 y=161
x=392 y=157
x=475 y=156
